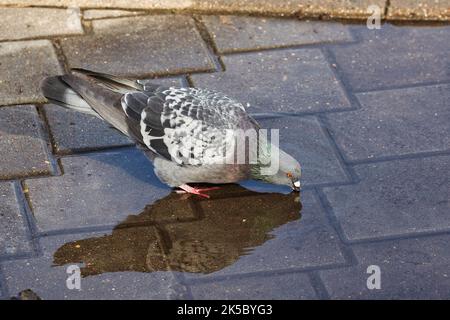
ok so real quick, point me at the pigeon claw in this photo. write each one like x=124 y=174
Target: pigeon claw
x=198 y=191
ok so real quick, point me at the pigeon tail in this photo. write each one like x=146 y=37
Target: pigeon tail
x=58 y=92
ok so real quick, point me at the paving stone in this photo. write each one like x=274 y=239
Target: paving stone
x=410 y=269
x=286 y=286
x=281 y=81
x=408 y=55
x=305 y=243
x=419 y=10
x=74 y=131
x=395 y=122
x=23 y=64
x=394 y=198
x=23 y=148
x=101 y=14
x=13 y=233
x=21 y=23
x=240 y=33
x=150 y=45
x=95 y=189
x=304 y=139
x=48 y=280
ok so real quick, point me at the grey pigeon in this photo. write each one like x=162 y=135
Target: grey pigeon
x=185 y=131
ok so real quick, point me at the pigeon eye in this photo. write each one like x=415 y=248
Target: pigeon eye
x=289 y=175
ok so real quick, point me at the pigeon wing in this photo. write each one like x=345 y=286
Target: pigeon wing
x=189 y=126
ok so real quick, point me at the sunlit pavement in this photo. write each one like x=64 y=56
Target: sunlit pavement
x=366 y=112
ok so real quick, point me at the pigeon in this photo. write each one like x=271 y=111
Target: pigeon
x=191 y=135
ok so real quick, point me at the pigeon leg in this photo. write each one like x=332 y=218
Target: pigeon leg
x=197 y=191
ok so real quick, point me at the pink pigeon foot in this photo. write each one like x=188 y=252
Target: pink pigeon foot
x=198 y=191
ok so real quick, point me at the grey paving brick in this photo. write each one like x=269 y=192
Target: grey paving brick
x=395 y=122
x=284 y=81
x=303 y=138
x=23 y=64
x=23 y=148
x=95 y=189
x=13 y=231
x=410 y=269
x=305 y=243
x=21 y=23
x=394 y=198
x=240 y=33
x=285 y=286
x=48 y=280
x=419 y=10
x=395 y=56
x=150 y=45
x=75 y=131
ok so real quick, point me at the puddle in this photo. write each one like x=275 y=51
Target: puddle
x=185 y=233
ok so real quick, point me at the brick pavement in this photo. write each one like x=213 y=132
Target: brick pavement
x=366 y=113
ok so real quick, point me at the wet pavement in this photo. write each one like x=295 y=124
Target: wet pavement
x=366 y=112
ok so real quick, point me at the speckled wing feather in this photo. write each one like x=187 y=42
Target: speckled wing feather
x=186 y=125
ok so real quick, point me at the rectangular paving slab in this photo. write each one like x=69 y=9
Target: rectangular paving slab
x=274 y=286
x=150 y=45
x=304 y=139
x=295 y=80
x=23 y=147
x=240 y=33
x=21 y=23
x=23 y=64
x=49 y=280
x=409 y=269
x=74 y=131
x=14 y=236
x=95 y=190
x=395 y=123
x=395 y=56
x=395 y=198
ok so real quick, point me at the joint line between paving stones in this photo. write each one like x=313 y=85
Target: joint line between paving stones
x=342 y=80
x=405 y=236
x=68 y=231
x=318 y=285
x=287 y=47
x=346 y=250
x=56 y=168
x=349 y=171
x=209 y=42
x=382 y=89
x=264 y=273
x=27 y=213
x=387 y=7
x=418 y=155
x=334 y=222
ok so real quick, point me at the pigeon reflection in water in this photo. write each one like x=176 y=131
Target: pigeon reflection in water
x=195 y=235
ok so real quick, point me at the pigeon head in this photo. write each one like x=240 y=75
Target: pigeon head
x=286 y=171
x=289 y=172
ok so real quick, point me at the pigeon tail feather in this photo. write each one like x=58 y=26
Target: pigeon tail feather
x=58 y=92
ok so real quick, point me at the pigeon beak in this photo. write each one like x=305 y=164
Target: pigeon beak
x=296 y=185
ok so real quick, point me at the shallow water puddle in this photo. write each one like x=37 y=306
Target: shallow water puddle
x=185 y=233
